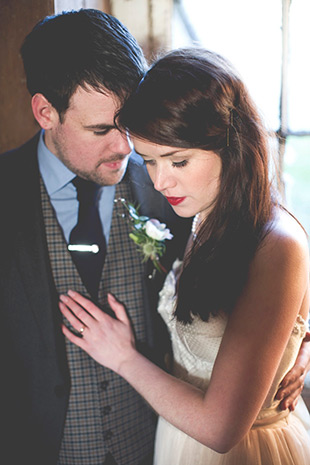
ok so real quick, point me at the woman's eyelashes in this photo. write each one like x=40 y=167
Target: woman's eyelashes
x=179 y=164
x=149 y=162
x=175 y=164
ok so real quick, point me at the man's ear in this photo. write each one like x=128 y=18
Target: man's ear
x=44 y=112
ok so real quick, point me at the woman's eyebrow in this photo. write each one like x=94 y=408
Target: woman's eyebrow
x=168 y=154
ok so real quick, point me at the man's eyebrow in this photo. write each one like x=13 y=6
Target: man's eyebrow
x=168 y=154
x=100 y=126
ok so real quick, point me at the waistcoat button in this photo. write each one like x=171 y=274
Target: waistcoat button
x=107 y=435
x=104 y=385
x=106 y=410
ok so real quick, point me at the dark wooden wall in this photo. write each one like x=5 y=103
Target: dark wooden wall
x=17 y=18
x=151 y=27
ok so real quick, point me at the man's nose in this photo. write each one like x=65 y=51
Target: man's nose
x=120 y=143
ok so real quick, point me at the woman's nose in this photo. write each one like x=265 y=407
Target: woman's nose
x=163 y=179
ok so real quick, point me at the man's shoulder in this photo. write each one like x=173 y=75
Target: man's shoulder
x=29 y=147
x=137 y=172
x=19 y=166
x=149 y=201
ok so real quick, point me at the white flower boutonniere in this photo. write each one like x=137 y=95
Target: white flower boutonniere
x=148 y=233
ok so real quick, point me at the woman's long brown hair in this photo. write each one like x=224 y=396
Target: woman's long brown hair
x=193 y=98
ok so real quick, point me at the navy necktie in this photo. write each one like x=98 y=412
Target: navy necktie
x=87 y=242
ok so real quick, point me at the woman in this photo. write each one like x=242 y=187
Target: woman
x=236 y=307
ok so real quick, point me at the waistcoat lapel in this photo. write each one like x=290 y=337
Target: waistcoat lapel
x=123 y=271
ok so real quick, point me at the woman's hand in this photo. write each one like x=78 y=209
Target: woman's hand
x=110 y=341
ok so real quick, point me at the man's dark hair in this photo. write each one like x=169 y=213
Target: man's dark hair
x=81 y=48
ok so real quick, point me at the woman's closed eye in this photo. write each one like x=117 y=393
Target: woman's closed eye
x=179 y=164
x=149 y=162
x=175 y=164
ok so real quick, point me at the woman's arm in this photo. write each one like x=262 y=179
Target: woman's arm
x=252 y=347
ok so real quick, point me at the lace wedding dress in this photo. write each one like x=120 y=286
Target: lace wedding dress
x=276 y=438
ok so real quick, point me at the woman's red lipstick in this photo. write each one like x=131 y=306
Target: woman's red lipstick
x=175 y=200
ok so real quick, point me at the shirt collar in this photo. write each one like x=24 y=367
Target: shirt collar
x=54 y=173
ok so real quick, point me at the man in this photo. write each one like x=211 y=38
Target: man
x=58 y=407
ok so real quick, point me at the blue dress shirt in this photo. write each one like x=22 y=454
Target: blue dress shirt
x=57 y=179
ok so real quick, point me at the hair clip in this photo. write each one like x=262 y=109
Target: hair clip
x=231 y=123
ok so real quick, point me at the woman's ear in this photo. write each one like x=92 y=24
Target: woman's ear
x=44 y=112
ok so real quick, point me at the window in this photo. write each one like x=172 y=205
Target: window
x=266 y=41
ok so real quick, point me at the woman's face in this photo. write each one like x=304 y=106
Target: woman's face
x=188 y=178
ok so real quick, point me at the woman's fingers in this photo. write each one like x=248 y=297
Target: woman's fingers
x=80 y=311
x=307 y=337
x=74 y=313
x=79 y=341
x=79 y=325
x=110 y=341
x=78 y=304
x=118 y=309
x=291 y=388
x=86 y=304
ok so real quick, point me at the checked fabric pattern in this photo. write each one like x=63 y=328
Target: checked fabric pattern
x=105 y=415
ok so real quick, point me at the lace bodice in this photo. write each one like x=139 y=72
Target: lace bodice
x=195 y=346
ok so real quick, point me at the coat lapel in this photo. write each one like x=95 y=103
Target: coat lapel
x=31 y=251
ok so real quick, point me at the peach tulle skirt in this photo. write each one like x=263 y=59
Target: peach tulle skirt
x=285 y=441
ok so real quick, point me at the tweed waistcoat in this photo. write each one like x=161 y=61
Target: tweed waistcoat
x=105 y=415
